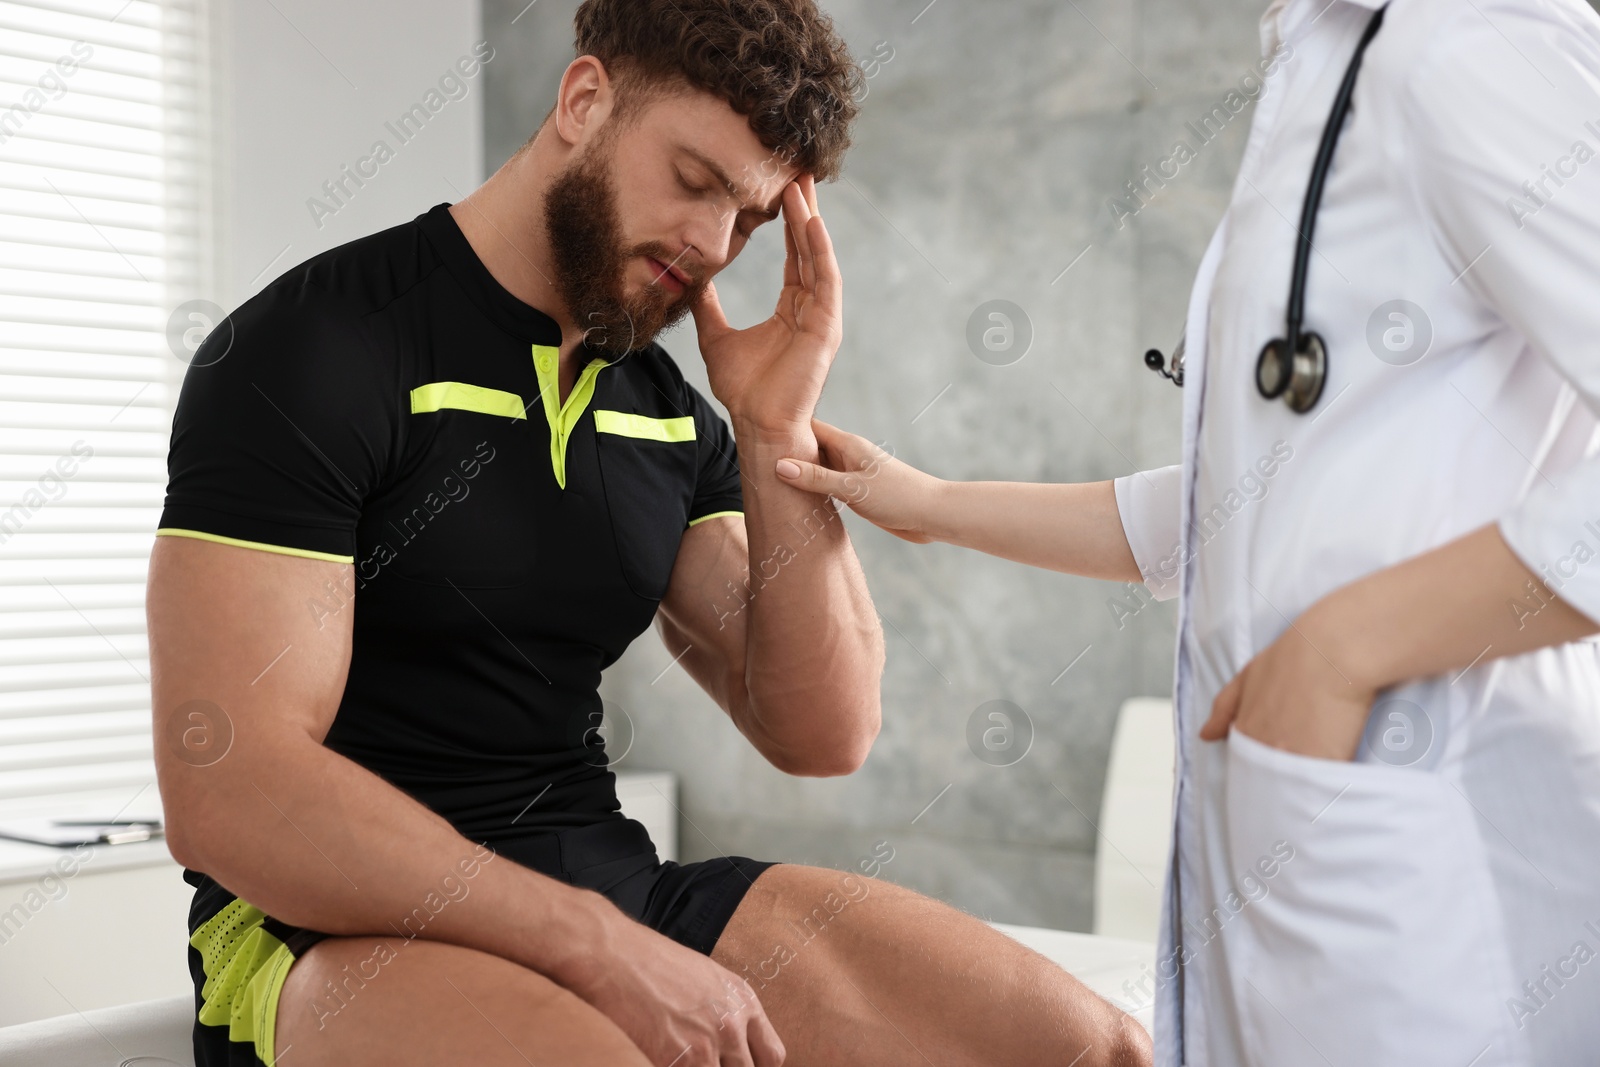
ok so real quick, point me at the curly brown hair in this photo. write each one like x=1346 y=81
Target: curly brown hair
x=777 y=62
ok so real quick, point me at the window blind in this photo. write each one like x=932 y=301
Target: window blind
x=104 y=198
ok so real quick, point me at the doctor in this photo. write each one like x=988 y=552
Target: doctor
x=1386 y=552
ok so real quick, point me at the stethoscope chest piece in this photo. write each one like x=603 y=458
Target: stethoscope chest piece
x=1298 y=376
x=1299 y=379
x=1295 y=366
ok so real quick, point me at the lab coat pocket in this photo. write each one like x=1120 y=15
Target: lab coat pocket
x=1378 y=938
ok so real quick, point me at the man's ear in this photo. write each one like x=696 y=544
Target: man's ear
x=584 y=101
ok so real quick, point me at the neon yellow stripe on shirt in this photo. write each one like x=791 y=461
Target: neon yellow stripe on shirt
x=623 y=424
x=460 y=396
x=262 y=546
x=714 y=515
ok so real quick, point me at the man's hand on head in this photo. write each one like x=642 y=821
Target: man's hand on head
x=770 y=376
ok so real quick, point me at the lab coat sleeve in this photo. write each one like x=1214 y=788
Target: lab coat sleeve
x=1147 y=503
x=1490 y=112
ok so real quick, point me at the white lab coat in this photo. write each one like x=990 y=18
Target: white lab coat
x=1436 y=902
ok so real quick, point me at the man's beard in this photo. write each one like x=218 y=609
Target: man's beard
x=580 y=214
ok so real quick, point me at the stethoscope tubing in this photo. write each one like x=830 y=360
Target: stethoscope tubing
x=1286 y=351
x=1319 y=178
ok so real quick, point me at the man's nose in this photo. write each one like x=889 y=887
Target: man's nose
x=711 y=235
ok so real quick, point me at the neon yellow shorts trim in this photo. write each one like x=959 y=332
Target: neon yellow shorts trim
x=245 y=969
x=170 y=531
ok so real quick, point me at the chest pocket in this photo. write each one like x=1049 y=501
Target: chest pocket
x=462 y=516
x=648 y=469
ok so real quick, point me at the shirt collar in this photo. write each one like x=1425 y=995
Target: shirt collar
x=521 y=320
x=1273 y=21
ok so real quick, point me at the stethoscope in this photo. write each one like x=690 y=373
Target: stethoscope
x=1295 y=366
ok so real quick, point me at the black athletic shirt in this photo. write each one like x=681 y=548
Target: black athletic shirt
x=389 y=404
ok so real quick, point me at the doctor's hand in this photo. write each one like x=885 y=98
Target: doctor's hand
x=770 y=376
x=892 y=495
x=1292 y=696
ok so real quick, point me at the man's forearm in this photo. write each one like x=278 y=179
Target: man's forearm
x=1465 y=602
x=316 y=840
x=814 y=647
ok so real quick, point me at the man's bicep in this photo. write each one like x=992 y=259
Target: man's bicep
x=703 y=615
x=247 y=648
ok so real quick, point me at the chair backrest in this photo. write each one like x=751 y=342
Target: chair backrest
x=1135 y=821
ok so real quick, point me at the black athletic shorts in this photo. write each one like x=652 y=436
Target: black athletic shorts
x=239 y=957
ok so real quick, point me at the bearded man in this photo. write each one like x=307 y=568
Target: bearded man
x=423 y=489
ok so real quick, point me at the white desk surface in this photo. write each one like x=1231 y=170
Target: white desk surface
x=24 y=862
x=21 y=861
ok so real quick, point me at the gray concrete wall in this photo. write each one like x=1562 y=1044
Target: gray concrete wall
x=989 y=147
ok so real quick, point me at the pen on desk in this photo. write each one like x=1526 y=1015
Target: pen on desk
x=137 y=829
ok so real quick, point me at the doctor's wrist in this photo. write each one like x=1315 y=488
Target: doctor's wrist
x=938 y=511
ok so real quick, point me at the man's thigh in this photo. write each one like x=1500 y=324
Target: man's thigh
x=852 y=969
x=427 y=1002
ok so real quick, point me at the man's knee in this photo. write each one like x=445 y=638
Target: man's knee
x=1130 y=1045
